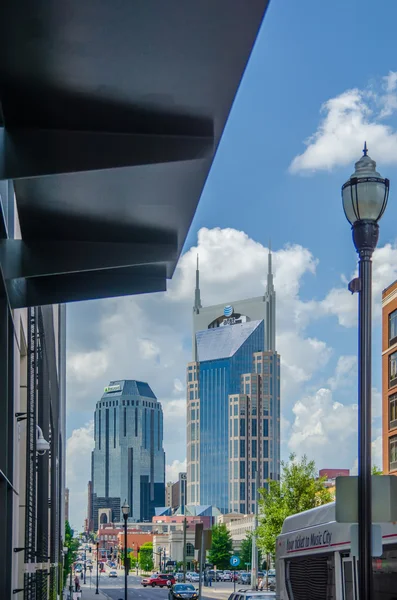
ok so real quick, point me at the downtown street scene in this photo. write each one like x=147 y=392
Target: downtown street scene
x=198 y=300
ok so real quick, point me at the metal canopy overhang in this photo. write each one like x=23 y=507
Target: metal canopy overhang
x=112 y=112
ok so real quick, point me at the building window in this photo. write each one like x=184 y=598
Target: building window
x=253 y=471
x=265 y=448
x=393 y=369
x=254 y=427
x=393 y=411
x=235 y=428
x=242 y=448
x=393 y=453
x=235 y=409
x=265 y=427
x=192 y=432
x=242 y=490
x=191 y=395
x=266 y=471
x=190 y=377
x=242 y=427
x=242 y=469
x=235 y=449
x=235 y=470
x=125 y=422
x=254 y=449
x=393 y=327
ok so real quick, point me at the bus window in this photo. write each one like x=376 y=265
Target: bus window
x=348 y=579
x=385 y=574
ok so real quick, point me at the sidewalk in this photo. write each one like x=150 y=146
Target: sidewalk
x=86 y=594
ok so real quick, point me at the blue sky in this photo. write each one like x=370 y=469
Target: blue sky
x=318 y=69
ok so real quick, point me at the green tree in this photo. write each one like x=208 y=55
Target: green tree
x=146 y=556
x=299 y=489
x=221 y=548
x=376 y=470
x=245 y=552
x=72 y=544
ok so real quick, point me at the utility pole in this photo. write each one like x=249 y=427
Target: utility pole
x=254 y=559
x=184 y=549
x=202 y=559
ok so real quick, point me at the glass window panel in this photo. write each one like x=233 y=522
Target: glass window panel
x=254 y=431
x=235 y=428
x=235 y=448
x=242 y=490
x=393 y=326
x=242 y=448
x=236 y=409
x=242 y=427
x=242 y=469
x=393 y=452
x=254 y=449
x=265 y=448
x=265 y=427
x=393 y=411
x=235 y=473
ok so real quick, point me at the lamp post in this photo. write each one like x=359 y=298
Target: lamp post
x=97 y=568
x=364 y=198
x=126 y=511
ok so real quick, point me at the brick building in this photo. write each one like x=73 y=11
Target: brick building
x=389 y=378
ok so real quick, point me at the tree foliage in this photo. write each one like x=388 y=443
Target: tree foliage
x=221 y=548
x=376 y=470
x=299 y=489
x=72 y=545
x=146 y=556
x=245 y=552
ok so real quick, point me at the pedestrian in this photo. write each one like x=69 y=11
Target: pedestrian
x=76 y=584
x=210 y=580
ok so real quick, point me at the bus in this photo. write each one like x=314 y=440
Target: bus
x=314 y=562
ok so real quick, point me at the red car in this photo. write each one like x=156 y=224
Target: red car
x=158 y=580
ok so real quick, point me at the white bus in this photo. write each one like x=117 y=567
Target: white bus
x=313 y=560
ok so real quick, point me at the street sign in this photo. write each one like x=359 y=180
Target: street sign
x=235 y=561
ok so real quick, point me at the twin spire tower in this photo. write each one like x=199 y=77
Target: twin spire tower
x=269 y=299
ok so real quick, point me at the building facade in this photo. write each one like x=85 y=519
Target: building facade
x=233 y=401
x=128 y=461
x=389 y=379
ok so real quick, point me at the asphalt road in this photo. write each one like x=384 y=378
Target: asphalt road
x=114 y=589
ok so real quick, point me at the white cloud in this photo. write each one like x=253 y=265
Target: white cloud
x=87 y=366
x=78 y=468
x=344 y=305
x=172 y=471
x=322 y=427
x=345 y=373
x=348 y=120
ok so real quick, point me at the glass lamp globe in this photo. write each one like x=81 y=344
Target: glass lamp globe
x=125 y=508
x=365 y=194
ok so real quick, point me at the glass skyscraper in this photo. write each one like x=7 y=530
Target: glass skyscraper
x=128 y=461
x=233 y=401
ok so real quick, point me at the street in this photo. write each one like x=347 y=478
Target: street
x=114 y=588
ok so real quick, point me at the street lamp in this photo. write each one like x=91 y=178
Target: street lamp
x=364 y=198
x=126 y=511
x=97 y=568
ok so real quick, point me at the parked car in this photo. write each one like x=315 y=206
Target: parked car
x=183 y=590
x=194 y=577
x=245 y=578
x=251 y=595
x=112 y=573
x=179 y=577
x=227 y=576
x=158 y=580
x=219 y=575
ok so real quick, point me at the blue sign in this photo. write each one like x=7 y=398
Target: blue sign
x=228 y=311
x=235 y=561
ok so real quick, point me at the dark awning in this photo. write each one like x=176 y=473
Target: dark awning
x=112 y=112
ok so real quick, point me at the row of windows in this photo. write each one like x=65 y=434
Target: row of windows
x=110 y=403
x=233 y=409
x=193 y=395
x=392 y=411
x=237 y=449
x=239 y=427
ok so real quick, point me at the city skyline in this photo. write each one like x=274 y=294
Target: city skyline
x=323 y=105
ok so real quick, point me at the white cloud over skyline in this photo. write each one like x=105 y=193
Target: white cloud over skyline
x=149 y=338
x=349 y=119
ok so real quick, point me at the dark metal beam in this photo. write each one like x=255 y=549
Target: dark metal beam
x=27 y=153
x=21 y=259
x=58 y=289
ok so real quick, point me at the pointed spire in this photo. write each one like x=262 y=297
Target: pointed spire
x=270 y=299
x=365 y=150
x=197 y=299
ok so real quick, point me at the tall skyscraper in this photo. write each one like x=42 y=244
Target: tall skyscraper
x=233 y=400
x=128 y=461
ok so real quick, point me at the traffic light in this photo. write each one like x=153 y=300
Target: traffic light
x=90 y=549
